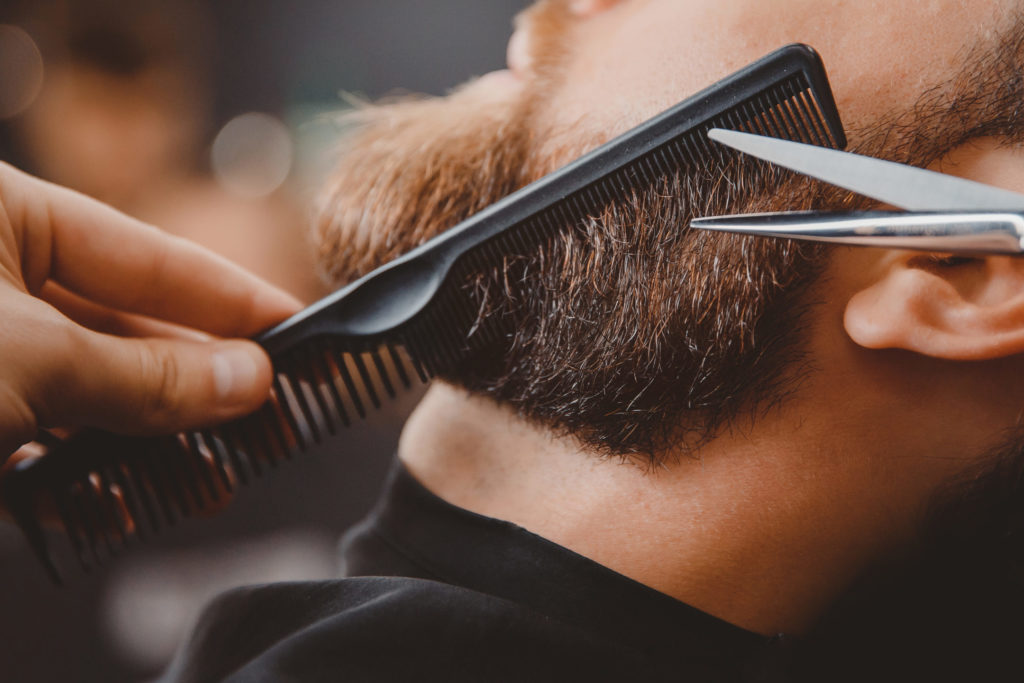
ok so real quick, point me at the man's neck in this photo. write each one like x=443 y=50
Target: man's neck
x=763 y=529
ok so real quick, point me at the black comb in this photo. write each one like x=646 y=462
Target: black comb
x=402 y=324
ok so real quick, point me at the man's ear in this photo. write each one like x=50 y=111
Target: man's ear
x=953 y=308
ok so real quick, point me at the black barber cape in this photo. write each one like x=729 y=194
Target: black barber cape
x=437 y=593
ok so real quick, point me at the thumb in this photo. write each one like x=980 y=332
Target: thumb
x=161 y=385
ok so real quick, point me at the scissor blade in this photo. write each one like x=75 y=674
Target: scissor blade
x=957 y=232
x=907 y=187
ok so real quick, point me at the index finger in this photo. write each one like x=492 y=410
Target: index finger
x=105 y=256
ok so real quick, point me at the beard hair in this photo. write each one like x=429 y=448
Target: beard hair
x=412 y=167
x=632 y=334
x=417 y=167
x=630 y=325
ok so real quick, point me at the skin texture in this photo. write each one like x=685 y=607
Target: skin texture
x=693 y=330
x=915 y=359
x=632 y=271
x=880 y=55
x=109 y=322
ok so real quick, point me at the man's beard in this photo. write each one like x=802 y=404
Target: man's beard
x=638 y=336
x=416 y=167
x=632 y=333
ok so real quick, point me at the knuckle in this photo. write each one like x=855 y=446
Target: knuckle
x=162 y=385
x=18 y=421
x=156 y=275
x=49 y=346
x=248 y=313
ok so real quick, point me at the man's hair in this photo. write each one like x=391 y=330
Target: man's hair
x=633 y=333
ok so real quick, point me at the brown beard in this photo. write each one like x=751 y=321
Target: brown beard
x=384 y=199
x=632 y=333
x=415 y=166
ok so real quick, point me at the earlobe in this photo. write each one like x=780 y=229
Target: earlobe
x=957 y=309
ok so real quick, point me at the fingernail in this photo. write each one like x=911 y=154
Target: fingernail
x=234 y=373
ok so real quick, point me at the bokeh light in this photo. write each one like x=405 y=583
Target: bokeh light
x=21 y=71
x=252 y=155
x=152 y=602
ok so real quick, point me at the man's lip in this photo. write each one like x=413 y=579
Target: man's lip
x=502 y=79
x=518 y=55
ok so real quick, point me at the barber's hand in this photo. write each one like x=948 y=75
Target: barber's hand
x=108 y=322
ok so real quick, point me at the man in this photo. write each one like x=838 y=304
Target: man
x=695 y=443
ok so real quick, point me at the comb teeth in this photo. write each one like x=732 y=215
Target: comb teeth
x=132 y=487
x=342 y=357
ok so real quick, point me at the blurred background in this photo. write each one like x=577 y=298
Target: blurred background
x=212 y=120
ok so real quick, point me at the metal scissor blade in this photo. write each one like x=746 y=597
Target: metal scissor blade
x=957 y=232
x=907 y=187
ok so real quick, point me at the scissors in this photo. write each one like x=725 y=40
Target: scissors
x=942 y=212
